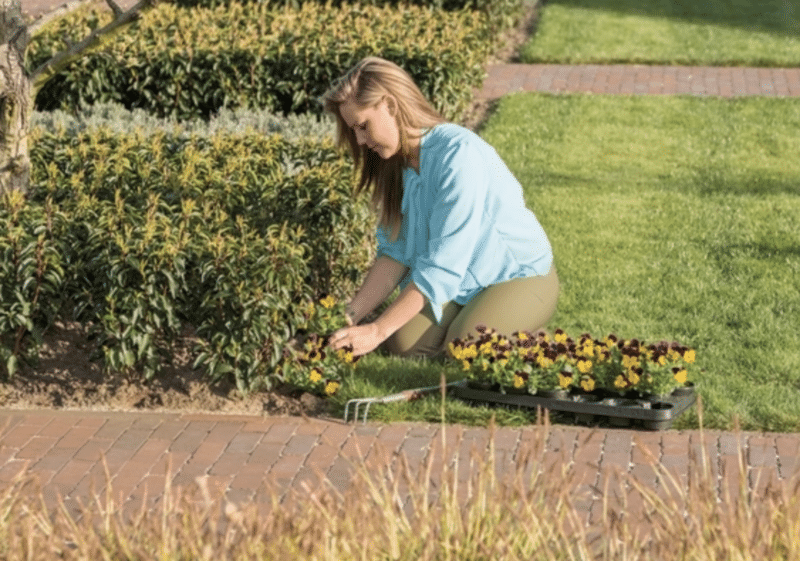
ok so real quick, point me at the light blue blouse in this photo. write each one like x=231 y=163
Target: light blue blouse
x=465 y=223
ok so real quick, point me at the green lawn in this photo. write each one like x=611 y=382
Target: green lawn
x=671 y=218
x=711 y=32
x=674 y=218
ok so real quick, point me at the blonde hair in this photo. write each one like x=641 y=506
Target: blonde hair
x=366 y=84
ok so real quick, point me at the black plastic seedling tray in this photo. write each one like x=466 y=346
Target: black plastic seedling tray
x=651 y=413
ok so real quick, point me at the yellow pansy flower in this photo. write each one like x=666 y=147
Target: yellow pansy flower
x=680 y=376
x=587 y=384
x=328 y=302
x=345 y=356
x=331 y=387
x=620 y=382
x=564 y=381
x=689 y=356
x=518 y=382
x=584 y=366
x=630 y=361
x=315 y=375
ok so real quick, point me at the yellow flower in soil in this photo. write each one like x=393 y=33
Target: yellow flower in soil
x=633 y=377
x=564 y=381
x=587 y=384
x=585 y=366
x=522 y=336
x=620 y=382
x=331 y=387
x=673 y=355
x=680 y=376
x=544 y=362
x=502 y=361
x=315 y=375
x=518 y=382
x=689 y=356
x=328 y=302
x=465 y=365
x=662 y=360
x=560 y=336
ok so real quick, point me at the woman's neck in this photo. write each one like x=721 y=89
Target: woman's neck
x=414 y=153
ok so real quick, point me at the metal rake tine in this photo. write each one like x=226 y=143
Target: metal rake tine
x=347 y=409
x=356 y=404
x=355 y=409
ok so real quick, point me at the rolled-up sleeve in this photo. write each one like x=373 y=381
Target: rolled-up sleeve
x=389 y=248
x=458 y=203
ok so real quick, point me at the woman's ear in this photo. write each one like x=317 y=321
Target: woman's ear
x=391 y=105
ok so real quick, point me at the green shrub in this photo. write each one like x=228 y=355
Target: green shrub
x=31 y=277
x=226 y=232
x=186 y=63
x=501 y=14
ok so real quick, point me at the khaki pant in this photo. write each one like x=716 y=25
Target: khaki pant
x=524 y=304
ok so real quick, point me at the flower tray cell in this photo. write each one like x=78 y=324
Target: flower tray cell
x=650 y=413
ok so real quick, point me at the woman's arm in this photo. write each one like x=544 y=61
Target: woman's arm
x=367 y=337
x=382 y=278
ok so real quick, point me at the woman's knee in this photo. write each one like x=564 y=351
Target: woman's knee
x=412 y=345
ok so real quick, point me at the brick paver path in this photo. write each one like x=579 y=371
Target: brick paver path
x=645 y=80
x=75 y=454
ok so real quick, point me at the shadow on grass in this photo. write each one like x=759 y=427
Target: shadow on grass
x=779 y=17
x=711 y=181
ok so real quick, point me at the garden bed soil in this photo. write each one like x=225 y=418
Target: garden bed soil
x=66 y=378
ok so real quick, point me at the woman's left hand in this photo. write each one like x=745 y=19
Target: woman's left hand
x=363 y=338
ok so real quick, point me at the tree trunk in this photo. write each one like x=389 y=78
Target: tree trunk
x=16 y=100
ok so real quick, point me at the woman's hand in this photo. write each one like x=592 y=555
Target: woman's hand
x=363 y=338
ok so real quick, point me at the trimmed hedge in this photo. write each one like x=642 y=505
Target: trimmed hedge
x=226 y=232
x=501 y=14
x=187 y=63
x=115 y=117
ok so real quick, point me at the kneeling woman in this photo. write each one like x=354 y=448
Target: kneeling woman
x=454 y=232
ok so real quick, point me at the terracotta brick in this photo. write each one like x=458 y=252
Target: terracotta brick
x=224 y=432
x=243 y=443
x=761 y=451
x=169 y=430
x=36 y=448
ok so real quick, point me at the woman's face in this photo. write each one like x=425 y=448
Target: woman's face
x=374 y=127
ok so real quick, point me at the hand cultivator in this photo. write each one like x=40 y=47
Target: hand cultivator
x=406 y=395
